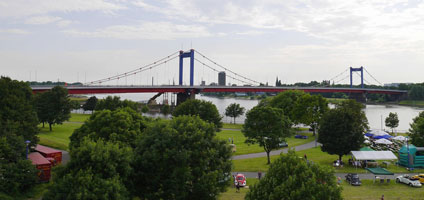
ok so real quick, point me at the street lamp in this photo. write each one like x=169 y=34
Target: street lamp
x=27 y=147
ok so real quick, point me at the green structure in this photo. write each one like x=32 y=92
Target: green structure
x=416 y=156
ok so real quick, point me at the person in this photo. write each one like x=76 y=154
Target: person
x=238 y=187
x=259 y=175
x=382 y=197
x=339 y=180
x=306 y=158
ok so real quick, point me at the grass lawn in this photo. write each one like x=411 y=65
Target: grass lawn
x=75 y=117
x=370 y=190
x=232 y=126
x=59 y=137
x=411 y=103
x=313 y=154
x=231 y=193
x=243 y=148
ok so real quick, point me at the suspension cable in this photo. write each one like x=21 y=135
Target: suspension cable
x=132 y=72
x=226 y=69
x=372 y=76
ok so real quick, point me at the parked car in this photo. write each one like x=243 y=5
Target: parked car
x=353 y=179
x=419 y=177
x=406 y=179
x=283 y=144
x=301 y=136
x=241 y=179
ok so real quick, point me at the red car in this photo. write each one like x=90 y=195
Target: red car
x=241 y=179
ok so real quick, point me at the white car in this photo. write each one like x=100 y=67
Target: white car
x=408 y=180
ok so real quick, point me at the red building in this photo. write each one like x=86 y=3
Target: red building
x=43 y=165
x=50 y=153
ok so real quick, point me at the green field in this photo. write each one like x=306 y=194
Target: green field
x=411 y=103
x=315 y=155
x=59 y=136
x=232 y=126
x=368 y=190
x=243 y=148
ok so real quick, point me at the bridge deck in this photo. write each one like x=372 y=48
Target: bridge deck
x=200 y=89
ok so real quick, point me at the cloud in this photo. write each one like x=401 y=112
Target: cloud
x=14 y=31
x=42 y=20
x=23 y=8
x=146 y=30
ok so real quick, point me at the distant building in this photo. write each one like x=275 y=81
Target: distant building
x=221 y=78
x=395 y=84
x=203 y=83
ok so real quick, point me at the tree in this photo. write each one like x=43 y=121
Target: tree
x=18 y=123
x=181 y=159
x=392 y=121
x=287 y=101
x=266 y=126
x=113 y=103
x=90 y=104
x=234 y=110
x=309 y=110
x=292 y=178
x=166 y=109
x=204 y=109
x=75 y=105
x=97 y=170
x=342 y=128
x=416 y=132
x=145 y=109
x=54 y=106
x=120 y=126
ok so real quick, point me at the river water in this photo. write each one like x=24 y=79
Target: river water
x=376 y=114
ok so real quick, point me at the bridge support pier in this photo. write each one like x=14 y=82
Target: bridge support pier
x=183 y=96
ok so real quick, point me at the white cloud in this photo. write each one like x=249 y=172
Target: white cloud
x=23 y=8
x=14 y=31
x=37 y=20
x=146 y=30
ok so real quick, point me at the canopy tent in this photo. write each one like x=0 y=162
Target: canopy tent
x=373 y=155
x=379 y=171
x=400 y=138
x=383 y=141
x=382 y=137
x=378 y=132
x=366 y=149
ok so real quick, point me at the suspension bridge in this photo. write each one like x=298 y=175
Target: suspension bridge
x=166 y=67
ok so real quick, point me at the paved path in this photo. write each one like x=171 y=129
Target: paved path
x=277 y=152
x=363 y=176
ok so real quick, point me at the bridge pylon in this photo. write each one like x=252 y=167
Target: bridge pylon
x=361 y=69
x=189 y=54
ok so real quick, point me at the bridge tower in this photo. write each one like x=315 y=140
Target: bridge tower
x=361 y=69
x=190 y=55
x=189 y=94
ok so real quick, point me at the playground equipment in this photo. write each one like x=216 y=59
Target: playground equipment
x=415 y=158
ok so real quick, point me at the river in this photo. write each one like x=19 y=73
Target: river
x=376 y=114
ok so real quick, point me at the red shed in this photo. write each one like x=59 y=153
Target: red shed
x=50 y=153
x=42 y=164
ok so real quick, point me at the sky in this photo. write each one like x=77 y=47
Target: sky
x=298 y=41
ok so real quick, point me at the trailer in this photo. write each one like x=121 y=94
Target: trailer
x=50 y=153
x=42 y=164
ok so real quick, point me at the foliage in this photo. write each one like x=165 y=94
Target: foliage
x=145 y=109
x=234 y=110
x=392 y=121
x=287 y=101
x=291 y=177
x=416 y=92
x=75 y=105
x=181 y=159
x=204 y=109
x=266 y=126
x=416 y=132
x=113 y=103
x=166 y=109
x=342 y=128
x=18 y=123
x=309 y=109
x=54 y=106
x=120 y=126
x=90 y=104
x=97 y=170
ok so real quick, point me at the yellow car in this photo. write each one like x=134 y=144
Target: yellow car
x=419 y=177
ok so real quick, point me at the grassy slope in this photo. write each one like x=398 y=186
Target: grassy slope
x=59 y=137
x=232 y=126
x=231 y=193
x=243 y=148
x=411 y=103
x=313 y=154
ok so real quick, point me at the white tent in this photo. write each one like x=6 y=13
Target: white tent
x=383 y=141
x=367 y=141
x=401 y=138
x=373 y=155
x=378 y=132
